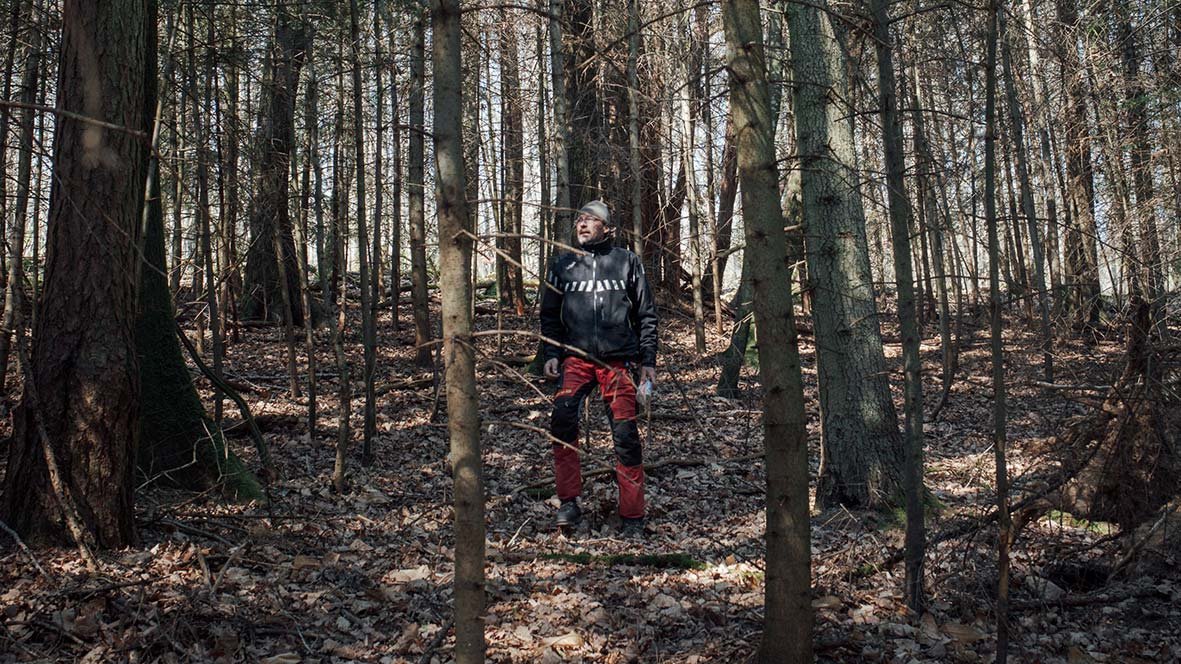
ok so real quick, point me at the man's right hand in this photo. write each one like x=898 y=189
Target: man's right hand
x=551 y=368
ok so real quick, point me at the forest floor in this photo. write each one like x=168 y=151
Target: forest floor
x=367 y=576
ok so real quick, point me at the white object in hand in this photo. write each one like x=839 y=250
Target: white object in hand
x=645 y=393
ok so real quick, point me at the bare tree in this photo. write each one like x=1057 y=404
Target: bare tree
x=463 y=408
x=787 y=623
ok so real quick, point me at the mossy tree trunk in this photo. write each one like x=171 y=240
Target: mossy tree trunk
x=179 y=445
x=861 y=462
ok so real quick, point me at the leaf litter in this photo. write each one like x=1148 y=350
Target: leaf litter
x=366 y=576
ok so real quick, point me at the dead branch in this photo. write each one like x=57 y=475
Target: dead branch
x=21 y=545
x=260 y=443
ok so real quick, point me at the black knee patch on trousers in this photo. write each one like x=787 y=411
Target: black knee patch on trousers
x=626 y=435
x=564 y=421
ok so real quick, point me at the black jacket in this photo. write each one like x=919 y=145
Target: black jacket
x=600 y=302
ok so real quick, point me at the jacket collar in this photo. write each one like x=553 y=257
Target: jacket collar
x=601 y=247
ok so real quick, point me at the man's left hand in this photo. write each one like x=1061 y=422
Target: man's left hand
x=648 y=374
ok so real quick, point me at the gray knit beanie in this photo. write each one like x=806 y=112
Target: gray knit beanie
x=597 y=208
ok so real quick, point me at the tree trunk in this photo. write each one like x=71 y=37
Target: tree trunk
x=231 y=278
x=862 y=460
x=562 y=211
x=512 y=165
x=927 y=187
x=261 y=297
x=463 y=407
x=1017 y=129
x=690 y=95
x=418 y=290
x=1082 y=257
x=84 y=367
x=15 y=282
x=472 y=57
x=1138 y=100
x=787 y=622
x=311 y=155
x=586 y=142
x=636 y=168
x=368 y=335
x=907 y=315
x=998 y=357
x=396 y=185
x=178 y=445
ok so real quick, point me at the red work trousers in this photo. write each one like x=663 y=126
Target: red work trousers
x=615 y=383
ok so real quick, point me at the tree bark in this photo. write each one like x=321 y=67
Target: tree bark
x=861 y=461
x=1082 y=257
x=261 y=297
x=368 y=333
x=907 y=315
x=417 y=220
x=1138 y=100
x=83 y=361
x=787 y=622
x=998 y=358
x=463 y=407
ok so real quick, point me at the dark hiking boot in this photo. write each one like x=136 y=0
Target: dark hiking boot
x=632 y=528
x=569 y=514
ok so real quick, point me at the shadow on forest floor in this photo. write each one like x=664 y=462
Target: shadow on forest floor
x=366 y=576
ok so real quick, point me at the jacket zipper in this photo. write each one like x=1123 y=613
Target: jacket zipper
x=595 y=299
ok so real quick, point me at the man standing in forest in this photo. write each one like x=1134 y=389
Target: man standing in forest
x=598 y=301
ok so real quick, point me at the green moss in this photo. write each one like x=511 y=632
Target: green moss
x=659 y=561
x=178 y=445
x=1068 y=519
x=539 y=492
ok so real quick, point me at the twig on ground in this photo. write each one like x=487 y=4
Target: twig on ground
x=436 y=642
x=21 y=544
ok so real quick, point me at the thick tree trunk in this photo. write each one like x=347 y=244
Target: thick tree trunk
x=586 y=143
x=463 y=407
x=179 y=446
x=861 y=463
x=261 y=297
x=84 y=367
x=787 y=622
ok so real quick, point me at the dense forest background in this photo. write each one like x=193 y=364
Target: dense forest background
x=268 y=352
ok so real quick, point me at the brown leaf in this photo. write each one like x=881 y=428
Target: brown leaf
x=304 y=562
x=567 y=640
x=827 y=602
x=962 y=633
